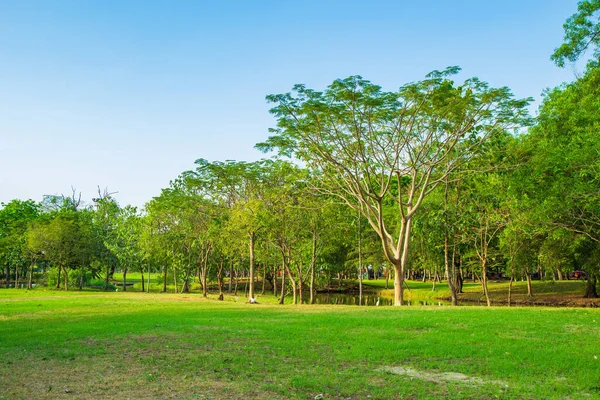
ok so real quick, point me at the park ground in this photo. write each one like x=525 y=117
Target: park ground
x=80 y=345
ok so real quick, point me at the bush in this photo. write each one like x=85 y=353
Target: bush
x=52 y=277
x=75 y=277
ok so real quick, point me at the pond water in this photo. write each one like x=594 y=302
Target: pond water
x=369 y=299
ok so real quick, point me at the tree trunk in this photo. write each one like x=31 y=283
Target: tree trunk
x=450 y=273
x=186 y=281
x=400 y=265
x=264 y=278
x=82 y=277
x=251 y=298
x=510 y=290
x=16 y=277
x=282 y=296
x=66 y=279
x=398 y=285
x=205 y=280
x=529 y=290
x=484 y=282
x=175 y=278
x=220 y=279
x=275 y=272
x=590 y=288
x=30 y=276
x=142 y=271
x=360 y=272
x=235 y=287
x=125 y=279
x=107 y=271
x=58 y=279
x=294 y=288
x=230 y=277
x=165 y=270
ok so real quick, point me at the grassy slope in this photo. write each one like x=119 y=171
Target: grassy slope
x=134 y=345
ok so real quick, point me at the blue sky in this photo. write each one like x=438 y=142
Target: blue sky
x=127 y=94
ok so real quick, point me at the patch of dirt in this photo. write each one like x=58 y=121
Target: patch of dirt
x=438 y=377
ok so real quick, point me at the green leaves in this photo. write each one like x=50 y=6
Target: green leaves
x=582 y=32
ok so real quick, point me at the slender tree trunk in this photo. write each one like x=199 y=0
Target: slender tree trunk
x=529 y=289
x=149 y=273
x=484 y=281
x=58 y=279
x=220 y=279
x=7 y=277
x=29 y=285
x=107 y=271
x=294 y=288
x=283 y=268
x=300 y=287
x=82 y=277
x=142 y=271
x=251 y=288
x=186 y=280
x=66 y=278
x=450 y=274
x=313 y=261
x=125 y=279
x=275 y=272
x=264 y=278
x=165 y=270
x=235 y=287
x=204 y=279
x=230 y=277
x=510 y=284
x=16 y=277
x=360 y=272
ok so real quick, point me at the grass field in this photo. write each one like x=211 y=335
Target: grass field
x=78 y=345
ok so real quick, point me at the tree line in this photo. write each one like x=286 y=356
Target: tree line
x=440 y=179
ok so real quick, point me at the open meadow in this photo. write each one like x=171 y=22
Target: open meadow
x=76 y=345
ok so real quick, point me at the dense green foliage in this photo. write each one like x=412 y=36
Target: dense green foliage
x=439 y=179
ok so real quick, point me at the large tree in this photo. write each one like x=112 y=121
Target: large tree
x=372 y=148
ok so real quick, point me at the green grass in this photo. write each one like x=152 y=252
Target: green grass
x=134 y=345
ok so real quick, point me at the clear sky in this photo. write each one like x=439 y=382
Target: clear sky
x=127 y=94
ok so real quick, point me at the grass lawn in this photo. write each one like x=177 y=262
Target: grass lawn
x=79 y=345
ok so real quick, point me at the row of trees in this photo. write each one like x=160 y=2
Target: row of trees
x=452 y=179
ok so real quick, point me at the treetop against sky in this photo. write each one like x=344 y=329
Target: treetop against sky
x=126 y=95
